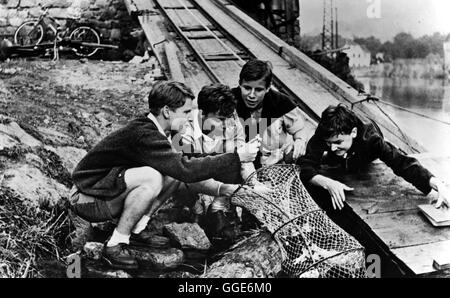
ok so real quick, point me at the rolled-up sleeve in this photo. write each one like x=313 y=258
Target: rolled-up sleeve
x=294 y=121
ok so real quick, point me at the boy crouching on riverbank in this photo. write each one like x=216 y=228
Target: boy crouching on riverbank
x=132 y=171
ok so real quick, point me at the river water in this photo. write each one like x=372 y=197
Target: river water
x=429 y=97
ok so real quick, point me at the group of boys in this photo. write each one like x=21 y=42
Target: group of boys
x=129 y=174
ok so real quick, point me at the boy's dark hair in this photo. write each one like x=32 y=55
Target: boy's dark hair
x=255 y=70
x=337 y=120
x=168 y=93
x=217 y=98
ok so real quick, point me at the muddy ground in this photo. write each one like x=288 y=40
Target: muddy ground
x=82 y=100
x=62 y=107
x=51 y=114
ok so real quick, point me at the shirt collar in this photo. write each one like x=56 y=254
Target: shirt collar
x=158 y=126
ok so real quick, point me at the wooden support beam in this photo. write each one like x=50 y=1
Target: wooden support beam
x=196 y=28
x=179 y=7
x=176 y=73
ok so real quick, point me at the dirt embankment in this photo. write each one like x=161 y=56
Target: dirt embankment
x=50 y=115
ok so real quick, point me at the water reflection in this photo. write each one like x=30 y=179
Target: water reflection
x=429 y=97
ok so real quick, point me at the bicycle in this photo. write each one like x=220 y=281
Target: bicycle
x=33 y=32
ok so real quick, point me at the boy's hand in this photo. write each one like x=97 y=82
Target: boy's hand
x=262 y=189
x=258 y=188
x=443 y=192
x=299 y=148
x=228 y=189
x=248 y=152
x=337 y=192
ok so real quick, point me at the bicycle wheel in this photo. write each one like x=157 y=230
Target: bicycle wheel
x=29 y=34
x=87 y=35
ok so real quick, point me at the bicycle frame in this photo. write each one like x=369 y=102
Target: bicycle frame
x=62 y=38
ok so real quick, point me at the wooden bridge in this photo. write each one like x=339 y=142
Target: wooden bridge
x=205 y=41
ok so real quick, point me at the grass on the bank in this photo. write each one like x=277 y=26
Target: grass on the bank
x=28 y=236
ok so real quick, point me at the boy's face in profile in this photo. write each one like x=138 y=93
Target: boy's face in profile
x=180 y=116
x=213 y=124
x=341 y=144
x=253 y=92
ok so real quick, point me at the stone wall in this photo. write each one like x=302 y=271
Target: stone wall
x=109 y=17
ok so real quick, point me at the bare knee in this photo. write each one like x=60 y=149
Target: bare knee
x=145 y=177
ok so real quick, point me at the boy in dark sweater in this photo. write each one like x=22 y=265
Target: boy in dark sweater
x=131 y=172
x=343 y=137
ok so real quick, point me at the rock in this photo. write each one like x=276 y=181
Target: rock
x=58 y=13
x=258 y=256
x=95 y=273
x=54 y=137
x=178 y=274
x=93 y=250
x=166 y=215
x=27 y=3
x=34 y=160
x=13 y=130
x=56 y=3
x=15 y=22
x=80 y=140
x=70 y=156
x=3 y=12
x=188 y=235
x=160 y=259
x=82 y=231
x=33 y=186
x=12 y=3
x=101 y=118
x=159 y=242
x=35 y=12
x=7 y=141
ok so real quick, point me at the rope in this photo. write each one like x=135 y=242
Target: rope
x=413 y=112
x=212 y=33
x=405 y=138
x=374 y=100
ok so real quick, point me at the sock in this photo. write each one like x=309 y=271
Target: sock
x=117 y=238
x=141 y=224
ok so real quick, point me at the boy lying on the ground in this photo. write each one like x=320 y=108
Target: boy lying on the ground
x=354 y=142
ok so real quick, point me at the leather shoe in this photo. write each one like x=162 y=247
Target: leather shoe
x=146 y=238
x=119 y=257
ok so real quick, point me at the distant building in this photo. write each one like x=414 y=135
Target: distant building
x=359 y=56
x=379 y=57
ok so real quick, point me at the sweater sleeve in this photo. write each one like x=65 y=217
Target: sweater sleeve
x=404 y=166
x=294 y=121
x=310 y=162
x=155 y=151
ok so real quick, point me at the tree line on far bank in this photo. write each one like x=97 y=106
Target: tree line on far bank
x=404 y=45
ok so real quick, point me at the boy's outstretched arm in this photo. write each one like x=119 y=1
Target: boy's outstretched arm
x=309 y=172
x=335 y=188
x=213 y=188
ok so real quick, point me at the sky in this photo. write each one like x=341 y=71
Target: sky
x=365 y=17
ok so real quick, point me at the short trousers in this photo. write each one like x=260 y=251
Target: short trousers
x=91 y=208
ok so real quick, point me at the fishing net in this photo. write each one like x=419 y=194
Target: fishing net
x=311 y=244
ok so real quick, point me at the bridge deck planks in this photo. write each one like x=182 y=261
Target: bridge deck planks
x=388 y=205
